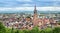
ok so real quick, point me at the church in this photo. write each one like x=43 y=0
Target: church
x=41 y=22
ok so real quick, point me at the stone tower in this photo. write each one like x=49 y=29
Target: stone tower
x=35 y=16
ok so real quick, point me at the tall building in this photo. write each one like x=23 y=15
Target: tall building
x=35 y=16
x=38 y=21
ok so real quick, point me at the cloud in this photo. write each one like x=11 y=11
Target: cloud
x=24 y=0
x=48 y=0
x=31 y=9
x=49 y=8
x=14 y=3
x=26 y=3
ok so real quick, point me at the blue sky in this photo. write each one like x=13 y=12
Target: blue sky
x=25 y=4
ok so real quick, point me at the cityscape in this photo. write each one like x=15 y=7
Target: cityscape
x=29 y=16
x=28 y=21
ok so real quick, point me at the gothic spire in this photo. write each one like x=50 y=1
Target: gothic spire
x=35 y=11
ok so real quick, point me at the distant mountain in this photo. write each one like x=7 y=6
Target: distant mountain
x=46 y=12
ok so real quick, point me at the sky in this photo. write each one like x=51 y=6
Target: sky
x=42 y=5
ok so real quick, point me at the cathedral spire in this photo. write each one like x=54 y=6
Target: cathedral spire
x=35 y=17
x=35 y=7
x=35 y=11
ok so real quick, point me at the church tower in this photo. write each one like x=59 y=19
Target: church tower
x=35 y=11
x=35 y=16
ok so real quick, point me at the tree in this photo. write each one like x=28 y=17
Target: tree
x=12 y=30
x=35 y=30
x=2 y=28
x=26 y=31
x=56 y=30
x=17 y=31
x=48 y=30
